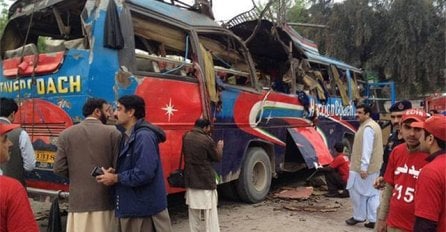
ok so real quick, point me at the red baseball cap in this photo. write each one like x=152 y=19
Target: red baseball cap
x=436 y=125
x=5 y=128
x=415 y=114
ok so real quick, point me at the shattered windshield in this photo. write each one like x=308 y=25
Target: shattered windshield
x=34 y=23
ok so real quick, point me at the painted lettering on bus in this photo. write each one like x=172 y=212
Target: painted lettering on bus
x=336 y=109
x=58 y=85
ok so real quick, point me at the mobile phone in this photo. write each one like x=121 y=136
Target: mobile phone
x=97 y=171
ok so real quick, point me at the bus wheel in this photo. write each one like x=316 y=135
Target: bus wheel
x=255 y=176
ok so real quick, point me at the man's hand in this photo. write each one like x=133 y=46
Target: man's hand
x=363 y=174
x=220 y=145
x=109 y=177
x=381 y=225
x=321 y=168
x=379 y=183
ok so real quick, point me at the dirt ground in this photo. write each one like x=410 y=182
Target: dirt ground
x=270 y=215
x=318 y=213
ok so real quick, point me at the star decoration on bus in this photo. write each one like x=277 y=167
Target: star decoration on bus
x=170 y=109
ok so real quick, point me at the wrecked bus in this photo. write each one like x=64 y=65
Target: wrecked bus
x=292 y=64
x=57 y=53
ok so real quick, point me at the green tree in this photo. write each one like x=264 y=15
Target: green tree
x=414 y=52
x=399 y=40
x=354 y=43
x=318 y=12
x=297 y=13
x=3 y=16
x=282 y=10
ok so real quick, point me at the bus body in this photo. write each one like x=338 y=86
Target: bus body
x=58 y=53
x=435 y=103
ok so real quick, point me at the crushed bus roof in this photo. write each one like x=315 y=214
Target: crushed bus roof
x=189 y=17
x=306 y=48
x=26 y=7
x=317 y=58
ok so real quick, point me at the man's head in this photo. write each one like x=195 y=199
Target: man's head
x=339 y=147
x=363 y=112
x=434 y=137
x=204 y=124
x=5 y=143
x=129 y=109
x=396 y=112
x=111 y=119
x=433 y=111
x=8 y=108
x=410 y=134
x=97 y=108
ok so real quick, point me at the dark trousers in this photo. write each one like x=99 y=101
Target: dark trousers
x=334 y=181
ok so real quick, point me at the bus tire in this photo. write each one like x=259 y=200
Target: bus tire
x=255 y=176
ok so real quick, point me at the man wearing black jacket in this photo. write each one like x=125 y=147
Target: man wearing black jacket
x=200 y=151
x=139 y=189
x=395 y=139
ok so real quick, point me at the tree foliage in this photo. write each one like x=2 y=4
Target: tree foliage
x=280 y=10
x=3 y=15
x=400 y=40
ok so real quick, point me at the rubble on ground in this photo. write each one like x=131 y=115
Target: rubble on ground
x=295 y=193
x=308 y=199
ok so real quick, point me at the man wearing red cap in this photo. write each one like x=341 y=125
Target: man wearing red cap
x=15 y=211
x=430 y=196
x=4 y=141
x=396 y=212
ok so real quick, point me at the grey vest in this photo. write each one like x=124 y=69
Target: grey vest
x=14 y=167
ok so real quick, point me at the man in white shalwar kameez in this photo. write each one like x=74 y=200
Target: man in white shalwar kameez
x=366 y=159
x=203 y=214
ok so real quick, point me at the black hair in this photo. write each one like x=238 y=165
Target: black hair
x=339 y=147
x=441 y=143
x=366 y=107
x=91 y=104
x=433 y=111
x=134 y=102
x=7 y=106
x=202 y=123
